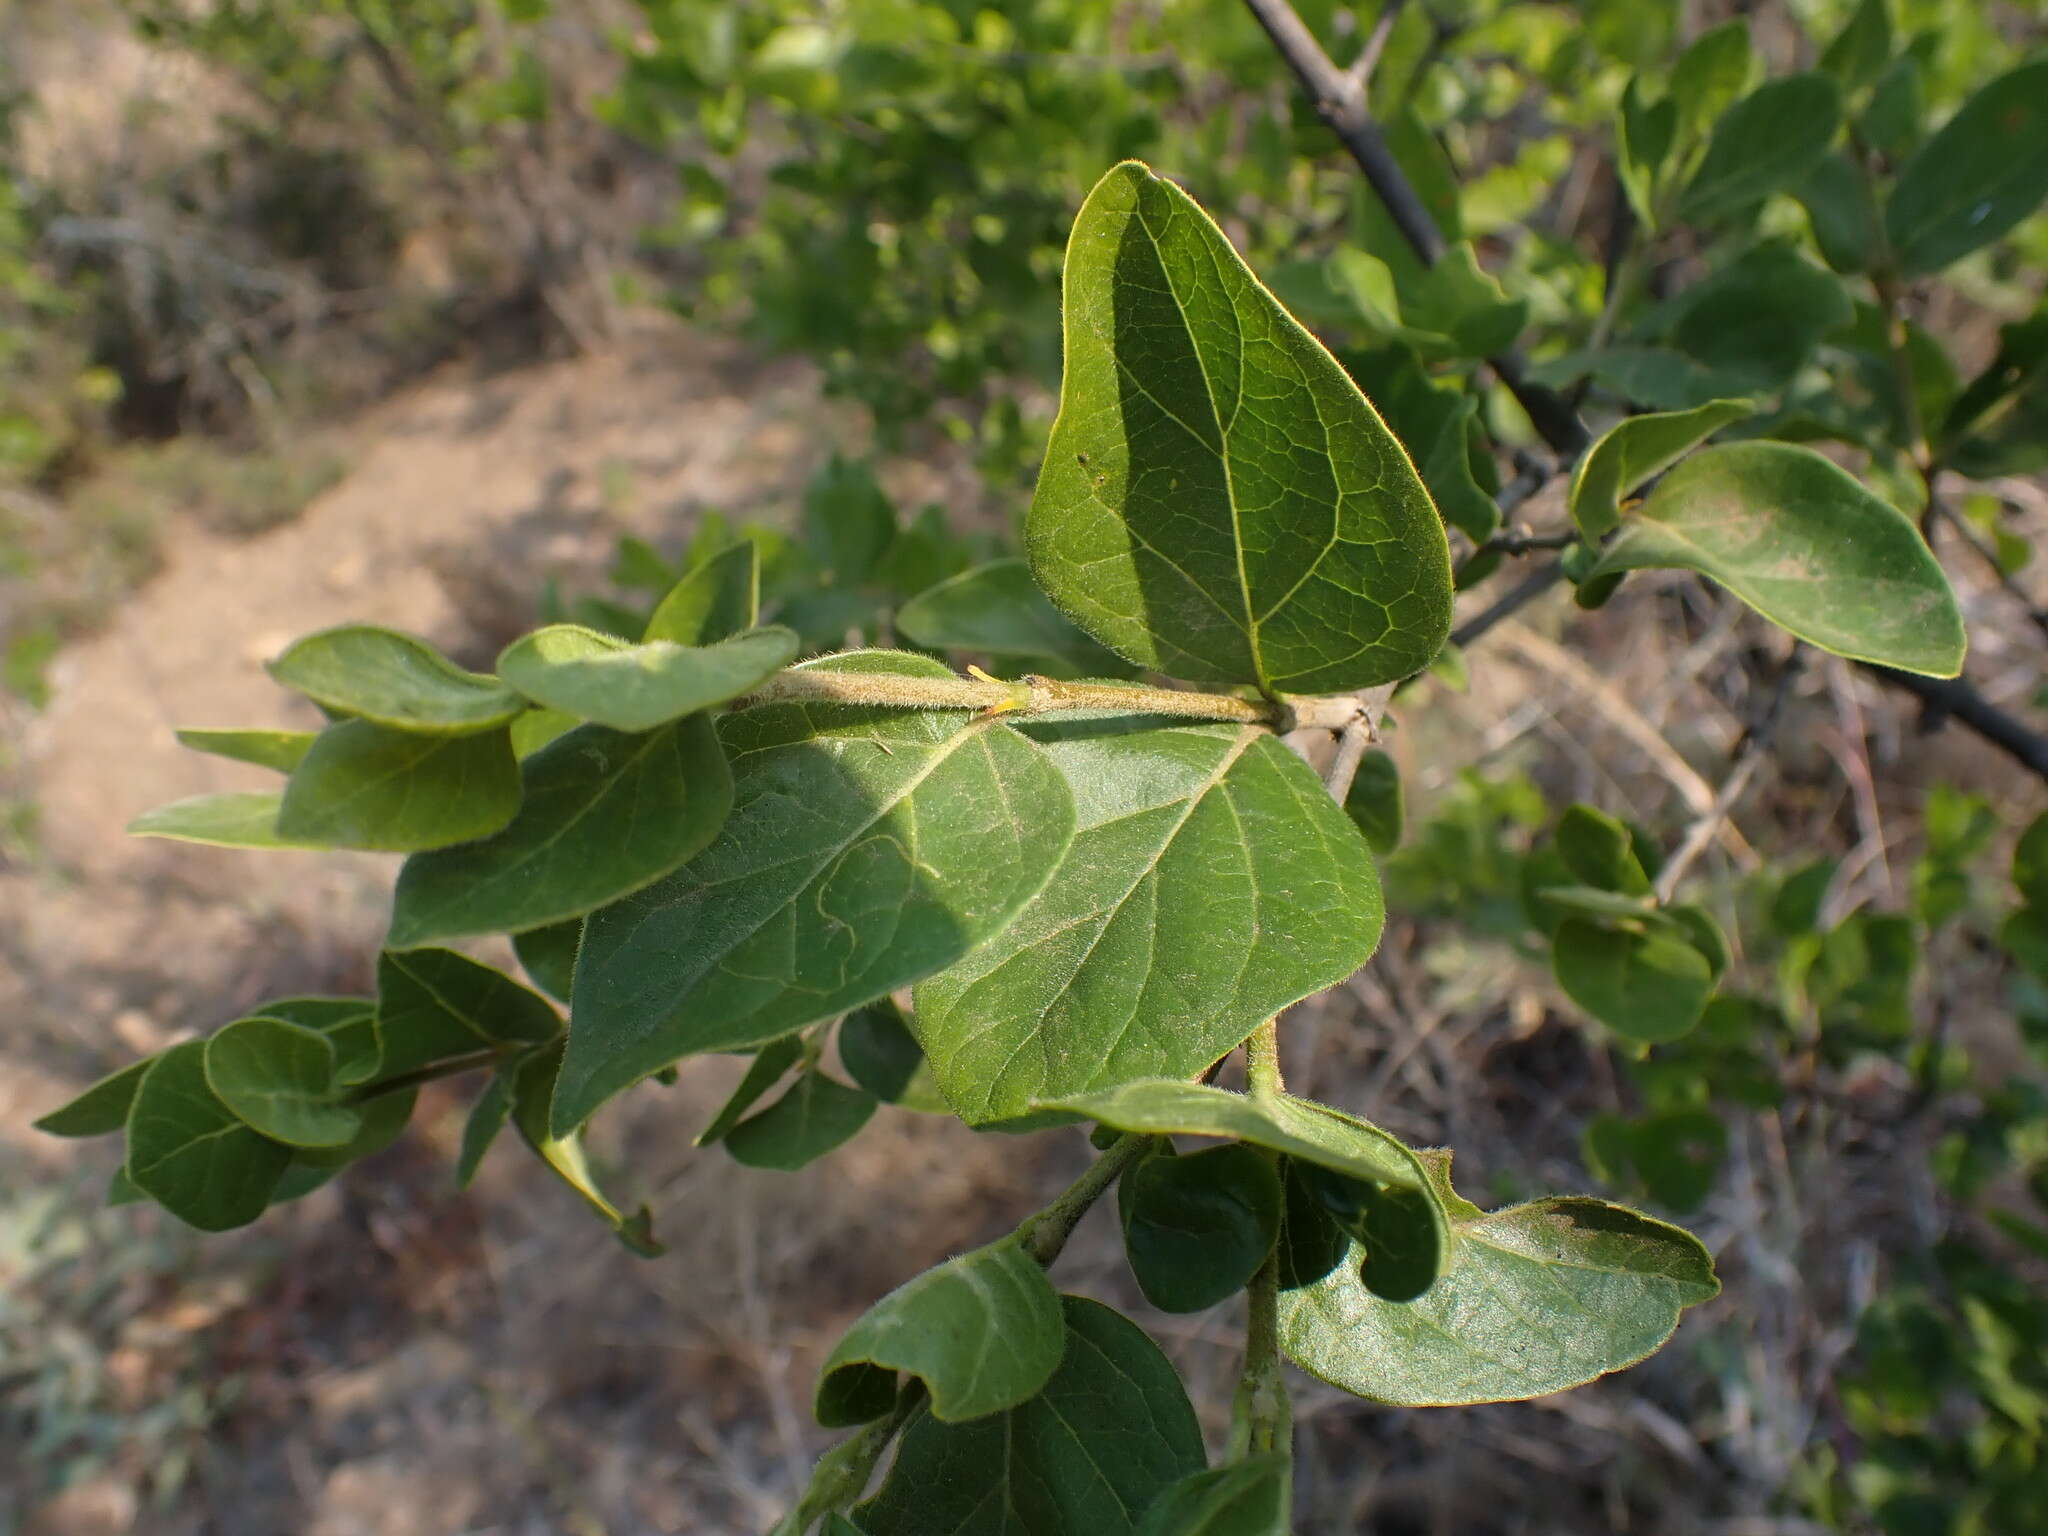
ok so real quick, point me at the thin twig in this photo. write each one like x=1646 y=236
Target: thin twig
x=1510 y=602
x=1352 y=744
x=1361 y=71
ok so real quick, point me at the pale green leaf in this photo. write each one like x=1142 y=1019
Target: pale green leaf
x=983 y=1331
x=816 y=1115
x=191 y=1154
x=349 y=1023
x=235 y=819
x=715 y=600
x=1801 y=542
x=282 y=750
x=1715 y=68
x=1218 y=501
x=1246 y=1498
x=1211 y=883
x=600 y=678
x=867 y=848
x=603 y=814
x=395 y=680
x=1767 y=142
x=434 y=1003
x=1983 y=172
x=1634 y=449
x=280 y=1078
x=1110 y=1432
x=998 y=610
x=101 y=1109
x=367 y=786
x=1537 y=1298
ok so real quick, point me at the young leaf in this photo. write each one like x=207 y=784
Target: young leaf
x=1246 y=1498
x=1181 y=917
x=1218 y=501
x=394 y=680
x=1537 y=1298
x=867 y=848
x=434 y=1003
x=280 y=1079
x=849 y=519
x=1459 y=301
x=282 y=750
x=101 y=1109
x=533 y=1089
x=814 y=1116
x=1767 y=142
x=638 y=687
x=1648 y=986
x=1634 y=449
x=763 y=1073
x=602 y=815
x=878 y=1050
x=537 y=727
x=191 y=1154
x=1714 y=70
x=998 y=609
x=1600 y=851
x=1644 y=133
x=1110 y=1432
x=1196 y=1228
x=1310 y=1132
x=716 y=600
x=1807 y=547
x=234 y=819
x=983 y=1331
x=1983 y=172
x=1374 y=801
x=367 y=786
x=1863 y=47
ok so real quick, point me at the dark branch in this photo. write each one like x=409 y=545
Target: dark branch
x=1956 y=698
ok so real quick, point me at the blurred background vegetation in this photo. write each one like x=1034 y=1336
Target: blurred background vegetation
x=473 y=310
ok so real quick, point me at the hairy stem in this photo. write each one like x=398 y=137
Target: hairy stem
x=1045 y=1235
x=1262 y=1060
x=1261 y=1419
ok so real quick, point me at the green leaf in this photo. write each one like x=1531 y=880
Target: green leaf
x=1633 y=450
x=2030 y=862
x=1196 y=1228
x=983 y=1331
x=101 y=1109
x=997 y=609
x=1246 y=1498
x=1863 y=47
x=236 y=819
x=348 y=1023
x=1807 y=547
x=717 y=599
x=1600 y=851
x=280 y=1078
x=763 y=1072
x=394 y=680
x=548 y=956
x=1678 y=1153
x=1311 y=1243
x=1895 y=119
x=434 y=1003
x=1458 y=300
x=815 y=1115
x=1374 y=801
x=848 y=519
x=602 y=815
x=537 y=727
x=1437 y=426
x=638 y=687
x=367 y=786
x=867 y=848
x=282 y=750
x=1644 y=133
x=878 y=1050
x=1842 y=212
x=1769 y=141
x=1211 y=883
x=191 y=1154
x=1755 y=323
x=1657 y=377
x=1983 y=172
x=1537 y=1298
x=1399 y=1229
x=1218 y=501
x=1110 y=1432
x=1707 y=78
x=1313 y=1133
x=1649 y=986
x=533 y=1090
x=1795 y=908
x=487 y=1116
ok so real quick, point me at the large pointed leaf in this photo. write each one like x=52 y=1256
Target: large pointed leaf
x=603 y=814
x=101 y=1109
x=280 y=1079
x=1806 y=546
x=1537 y=1298
x=1111 y=1431
x=983 y=1332
x=435 y=1003
x=997 y=609
x=638 y=687
x=191 y=1154
x=1211 y=883
x=866 y=848
x=367 y=786
x=1986 y=170
x=238 y=818
x=1632 y=450
x=1218 y=501
x=395 y=680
